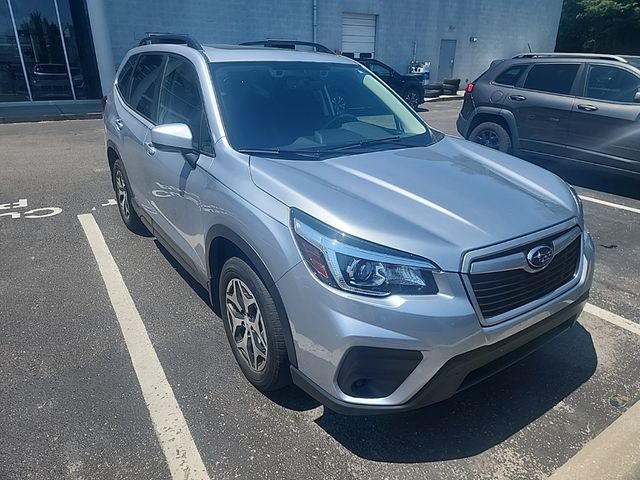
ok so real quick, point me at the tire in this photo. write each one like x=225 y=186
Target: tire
x=412 y=97
x=242 y=292
x=431 y=93
x=340 y=102
x=491 y=135
x=433 y=86
x=123 y=198
x=451 y=81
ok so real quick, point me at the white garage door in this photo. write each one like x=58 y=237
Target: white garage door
x=358 y=33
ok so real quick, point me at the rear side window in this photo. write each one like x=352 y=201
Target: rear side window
x=552 y=77
x=511 y=75
x=124 y=80
x=611 y=83
x=144 y=85
x=181 y=102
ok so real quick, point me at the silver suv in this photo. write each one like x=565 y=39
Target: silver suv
x=375 y=262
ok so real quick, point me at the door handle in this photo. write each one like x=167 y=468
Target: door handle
x=517 y=98
x=587 y=108
x=118 y=123
x=149 y=148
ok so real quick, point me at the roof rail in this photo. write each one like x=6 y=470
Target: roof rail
x=595 y=56
x=289 y=45
x=170 y=38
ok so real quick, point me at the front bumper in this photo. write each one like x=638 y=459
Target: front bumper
x=457 y=351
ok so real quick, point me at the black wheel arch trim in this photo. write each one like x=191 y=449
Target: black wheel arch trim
x=222 y=231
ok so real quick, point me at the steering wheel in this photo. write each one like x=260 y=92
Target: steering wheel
x=339 y=120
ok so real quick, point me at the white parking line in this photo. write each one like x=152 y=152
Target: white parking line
x=610 y=204
x=613 y=318
x=171 y=428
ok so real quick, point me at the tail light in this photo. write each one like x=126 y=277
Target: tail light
x=103 y=102
x=469 y=88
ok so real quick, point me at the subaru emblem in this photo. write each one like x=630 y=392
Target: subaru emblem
x=540 y=256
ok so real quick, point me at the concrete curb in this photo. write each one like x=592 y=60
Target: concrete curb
x=614 y=454
x=48 y=118
x=444 y=98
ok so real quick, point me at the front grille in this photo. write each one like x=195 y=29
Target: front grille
x=500 y=292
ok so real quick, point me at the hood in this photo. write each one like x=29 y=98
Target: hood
x=437 y=202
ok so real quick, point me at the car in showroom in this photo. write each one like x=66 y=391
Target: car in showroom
x=373 y=261
x=561 y=106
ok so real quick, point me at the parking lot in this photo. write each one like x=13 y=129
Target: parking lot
x=71 y=404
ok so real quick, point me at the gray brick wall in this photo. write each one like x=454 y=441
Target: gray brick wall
x=502 y=27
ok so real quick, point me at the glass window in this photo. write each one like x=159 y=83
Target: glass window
x=145 y=84
x=611 y=83
x=13 y=87
x=379 y=70
x=552 y=77
x=124 y=79
x=76 y=32
x=181 y=102
x=41 y=45
x=511 y=75
x=285 y=109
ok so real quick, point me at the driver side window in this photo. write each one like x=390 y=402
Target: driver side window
x=379 y=70
x=181 y=102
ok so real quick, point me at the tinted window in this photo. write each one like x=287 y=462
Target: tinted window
x=144 y=85
x=124 y=80
x=379 y=69
x=181 y=102
x=611 y=83
x=552 y=77
x=511 y=75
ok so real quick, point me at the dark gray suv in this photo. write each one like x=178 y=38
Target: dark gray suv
x=582 y=107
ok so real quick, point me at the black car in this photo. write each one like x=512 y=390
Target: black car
x=408 y=87
x=582 y=107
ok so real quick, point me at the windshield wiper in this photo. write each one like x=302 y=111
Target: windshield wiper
x=362 y=143
x=279 y=152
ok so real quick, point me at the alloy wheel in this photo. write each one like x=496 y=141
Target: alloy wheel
x=412 y=99
x=246 y=324
x=123 y=197
x=488 y=138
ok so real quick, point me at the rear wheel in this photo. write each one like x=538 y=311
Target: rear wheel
x=412 y=97
x=253 y=326
x=491 y=135
x=123 y=197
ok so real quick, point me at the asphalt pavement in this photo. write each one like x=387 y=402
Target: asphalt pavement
x=71 y=404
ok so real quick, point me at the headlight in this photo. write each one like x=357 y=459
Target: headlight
x=357 y=266
x=576 y=197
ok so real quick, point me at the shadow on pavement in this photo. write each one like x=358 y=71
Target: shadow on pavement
x=477 y=419
x=593 y=177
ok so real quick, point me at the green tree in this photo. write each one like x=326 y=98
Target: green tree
x=602 y=26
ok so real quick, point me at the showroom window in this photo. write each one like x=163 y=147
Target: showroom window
x=46 y=51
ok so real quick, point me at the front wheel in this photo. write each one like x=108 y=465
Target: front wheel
x=491 y=135
x=253 y=326
x=123 y=197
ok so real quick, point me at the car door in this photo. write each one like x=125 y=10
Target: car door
x=605 y=125
x=386 y=74
x=136 y=117
x=174 y=187
x=541 y=103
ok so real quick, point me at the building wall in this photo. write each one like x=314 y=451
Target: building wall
x=502 y=27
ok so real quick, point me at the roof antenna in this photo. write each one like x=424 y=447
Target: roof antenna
x=529 y=46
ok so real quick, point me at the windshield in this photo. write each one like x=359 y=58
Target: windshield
x=311 y=109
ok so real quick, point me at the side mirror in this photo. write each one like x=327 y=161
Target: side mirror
x=636 y=97
x=175 y=137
